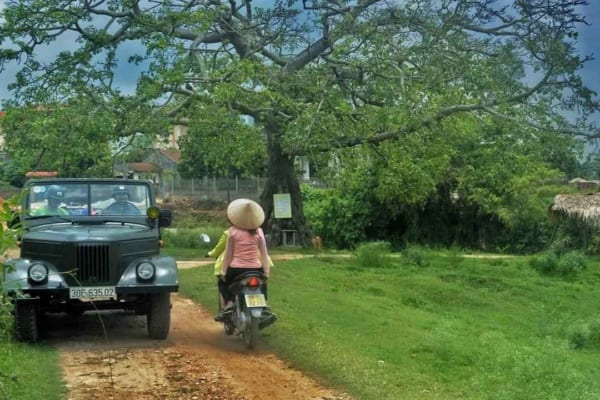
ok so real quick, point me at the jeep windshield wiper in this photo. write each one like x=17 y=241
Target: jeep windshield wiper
x=59 y=217
x=123 y=222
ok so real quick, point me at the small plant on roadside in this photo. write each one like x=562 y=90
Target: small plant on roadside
x=572 y=263
x=7 y=240
x=577 y=336
x=552 y=263
x=545 y=263
x=373 y=254
x=415 y=255
x=190 y=238
x=6 y=319
x=585 y=335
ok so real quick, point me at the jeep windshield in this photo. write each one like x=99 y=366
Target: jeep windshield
x=93 y=199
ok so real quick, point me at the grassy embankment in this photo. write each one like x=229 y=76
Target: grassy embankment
x=424 y=326
x=440 y=326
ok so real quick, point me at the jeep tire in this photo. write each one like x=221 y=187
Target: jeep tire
x=26 y=320
x=159 y=315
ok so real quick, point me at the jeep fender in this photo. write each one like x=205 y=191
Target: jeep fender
x=165 y=278
x=16 y=279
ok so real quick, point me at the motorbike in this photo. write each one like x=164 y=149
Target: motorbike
x=250 y=312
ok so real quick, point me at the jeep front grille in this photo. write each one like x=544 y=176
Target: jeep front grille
x=93 y=263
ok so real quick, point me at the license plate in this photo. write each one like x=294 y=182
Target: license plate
x=255 y=300
x=93 y=292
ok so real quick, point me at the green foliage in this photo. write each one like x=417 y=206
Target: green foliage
x=67 y=138
x=502 y=169
x=189 y=238
x=373 y=254
x=29 y=372
x=340 y=218
x=8 y=238
x=6 y=319
x=584 y=334
x=567 y=264
x=416 y=255
x=220 y=143
x=452 y=109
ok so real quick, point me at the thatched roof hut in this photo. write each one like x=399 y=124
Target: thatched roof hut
x=583 y=206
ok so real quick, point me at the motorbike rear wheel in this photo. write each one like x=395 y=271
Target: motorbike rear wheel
x=251 y=333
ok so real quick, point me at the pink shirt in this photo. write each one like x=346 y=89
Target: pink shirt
x=246 y=250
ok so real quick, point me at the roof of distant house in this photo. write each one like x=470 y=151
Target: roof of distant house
x=41 y=174
x=142 y=167
x=173 y=154
x=583 y=206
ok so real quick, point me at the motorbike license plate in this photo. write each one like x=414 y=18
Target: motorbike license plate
x=92 y=292
x=255 y=300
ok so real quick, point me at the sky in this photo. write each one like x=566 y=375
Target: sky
x=589 y=44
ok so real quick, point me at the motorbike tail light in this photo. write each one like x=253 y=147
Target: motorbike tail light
x=253 y=282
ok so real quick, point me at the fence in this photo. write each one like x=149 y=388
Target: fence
x=212 y=189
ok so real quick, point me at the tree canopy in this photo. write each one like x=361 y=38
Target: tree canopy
x=316 y=76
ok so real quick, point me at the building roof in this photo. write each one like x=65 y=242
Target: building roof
x=142 y=167
x=583 y=206
x=41 y=174
x=173 y=154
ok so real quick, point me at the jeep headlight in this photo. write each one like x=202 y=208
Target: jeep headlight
x=145 y=270
x=38 y=272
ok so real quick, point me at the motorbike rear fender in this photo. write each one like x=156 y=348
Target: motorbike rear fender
x=256 y=312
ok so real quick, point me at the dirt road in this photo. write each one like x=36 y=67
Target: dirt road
x=197 y=361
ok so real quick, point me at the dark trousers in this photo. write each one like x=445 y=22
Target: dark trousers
x=230 y=276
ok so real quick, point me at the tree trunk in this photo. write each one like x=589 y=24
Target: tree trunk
x=281 y=178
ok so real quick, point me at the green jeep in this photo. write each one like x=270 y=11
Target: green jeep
x=90 y=244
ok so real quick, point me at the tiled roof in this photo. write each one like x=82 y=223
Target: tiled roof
x=41 y=174
x=174 y=155
x=142 y=167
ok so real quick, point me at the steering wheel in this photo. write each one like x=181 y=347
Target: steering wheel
x=122 y=209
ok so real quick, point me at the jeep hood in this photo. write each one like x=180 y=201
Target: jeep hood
x=66 y=232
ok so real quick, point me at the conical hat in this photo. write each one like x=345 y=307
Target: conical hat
x=245 y=214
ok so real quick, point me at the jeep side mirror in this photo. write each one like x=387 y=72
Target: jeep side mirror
x=165 y=217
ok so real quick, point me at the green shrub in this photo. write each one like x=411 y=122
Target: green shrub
x=572 y=263
x=339 y=219
x=552 y=263
x=415 y=255
x=6 y=319
x=577 y=336
x=373 y=254
x=594 y=334
x=584 y=335
x=545 y=263
x=190 y=238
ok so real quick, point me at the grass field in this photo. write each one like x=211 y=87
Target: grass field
x=440 y=326
x=421 y=325
x=29 y=372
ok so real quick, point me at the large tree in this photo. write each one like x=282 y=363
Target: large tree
x=315 y=75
